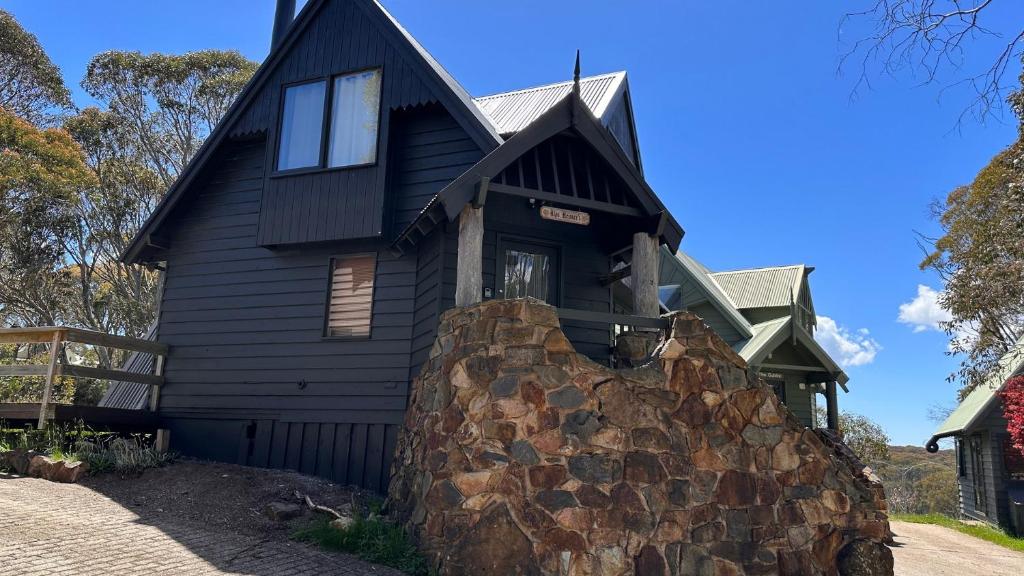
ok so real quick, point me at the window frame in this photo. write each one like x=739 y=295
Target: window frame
x=503 y=242
x=325 y=127
x=326 y=333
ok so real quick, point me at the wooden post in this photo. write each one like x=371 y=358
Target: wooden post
x=51 y=371
x=163 y=440
x=831 y=406
x=469 y=283
x=154 y=390
x=644 y=275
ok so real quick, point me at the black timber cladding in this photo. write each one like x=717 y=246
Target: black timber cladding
x=245 y=326
x=332 y=204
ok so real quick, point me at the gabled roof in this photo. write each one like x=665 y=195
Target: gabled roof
x=762 y=287
x=982 y=398
x=450 y=92
x=700 y=275
x=569 y=114
x=769 y=335
x=510 y=112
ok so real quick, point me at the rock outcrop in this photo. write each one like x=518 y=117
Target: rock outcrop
x=36 y=465
x=521 y=456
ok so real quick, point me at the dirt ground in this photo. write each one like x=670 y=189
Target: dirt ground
x=926 y=550
x=222 y=495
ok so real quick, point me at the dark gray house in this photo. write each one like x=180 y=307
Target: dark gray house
x=990 y=474
x=354 y=192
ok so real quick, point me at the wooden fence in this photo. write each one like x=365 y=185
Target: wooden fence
x=58 y=336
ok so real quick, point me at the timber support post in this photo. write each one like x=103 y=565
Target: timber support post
x=51 y=373
x=644 y=275
x=154 y=389
x=831 y=406
x=469 y=283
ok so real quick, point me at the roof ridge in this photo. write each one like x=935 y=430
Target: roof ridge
x=549 y=85
x=742 y=270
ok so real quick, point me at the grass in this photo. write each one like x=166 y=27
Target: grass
x=982 y=531
x=374 y=540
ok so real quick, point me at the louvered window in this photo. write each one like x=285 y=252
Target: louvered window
x=351 y=306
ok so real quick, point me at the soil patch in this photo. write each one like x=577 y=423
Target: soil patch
x=221 y=495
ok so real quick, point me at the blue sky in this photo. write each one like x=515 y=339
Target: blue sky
x=747 y=134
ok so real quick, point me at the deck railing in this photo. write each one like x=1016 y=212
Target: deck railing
x=58 y=336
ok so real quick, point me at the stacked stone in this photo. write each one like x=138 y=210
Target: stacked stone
x=521 y=456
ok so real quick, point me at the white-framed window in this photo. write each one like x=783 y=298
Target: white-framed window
x=350 y=305
x=342 y=134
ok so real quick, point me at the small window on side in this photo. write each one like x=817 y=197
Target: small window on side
x=350 y=309
x=302 y=121
x=355 y=110
x=961 y=461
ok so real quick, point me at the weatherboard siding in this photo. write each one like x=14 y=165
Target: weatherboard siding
x=333 y=204
x=245 y=326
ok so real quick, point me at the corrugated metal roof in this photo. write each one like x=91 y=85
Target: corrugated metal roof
x=982 y=397
x=763 y=334
x=701 y=275
x=512 y=111
x=132 y=395
x=761 y=287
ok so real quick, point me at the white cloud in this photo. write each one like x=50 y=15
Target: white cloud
x=848 y=348
x=924 y=312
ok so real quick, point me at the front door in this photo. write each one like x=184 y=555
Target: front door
x=528 y=269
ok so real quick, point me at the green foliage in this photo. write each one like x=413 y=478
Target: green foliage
x=863 y=435
x=124 y=456
x=980 y=258
x=984 y=531
x=30 y=84
x=170 y=102
x=372 y=539
x=72 y=198
x=919 y=482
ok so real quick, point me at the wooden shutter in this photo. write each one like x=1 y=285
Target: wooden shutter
x=351 y=305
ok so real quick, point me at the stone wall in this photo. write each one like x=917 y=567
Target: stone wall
x=522 y=457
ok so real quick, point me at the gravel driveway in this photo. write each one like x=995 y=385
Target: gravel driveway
x=76 y=530
x=927 y=550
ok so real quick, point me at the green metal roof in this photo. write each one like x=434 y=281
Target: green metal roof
x=764 y=334
x=761 y=287
x=681 y=265
x=983 y=397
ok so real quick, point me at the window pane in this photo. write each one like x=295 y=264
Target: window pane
x=302 y=123
x=354 y=112
x=351 y=306
x=526 y=275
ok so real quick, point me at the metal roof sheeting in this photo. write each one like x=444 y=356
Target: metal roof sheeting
x=764 y=333
x=982 y=397
x=510 y=112
x=761 y=287
x=132 y=395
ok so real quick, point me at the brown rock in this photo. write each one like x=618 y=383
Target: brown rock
x=865 y=558
x=650 y=562
x=644 y=468
x=737 y=489
x=472 y=483
x=547 y=477
x=651 y=439
x=495 y=545
x=578 y=519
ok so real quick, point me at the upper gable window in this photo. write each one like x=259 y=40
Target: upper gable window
x=353 y=116
x=354 y=112
x=302 y=121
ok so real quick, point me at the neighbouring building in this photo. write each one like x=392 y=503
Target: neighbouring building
x=767 y=316
x=990 y=472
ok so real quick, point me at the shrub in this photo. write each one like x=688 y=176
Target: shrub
x=125 y=456
x=373 y=539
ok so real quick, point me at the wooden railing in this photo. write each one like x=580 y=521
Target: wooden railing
x=614 y=319
x=58 y=336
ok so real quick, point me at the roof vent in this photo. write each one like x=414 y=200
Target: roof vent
x=283 y=18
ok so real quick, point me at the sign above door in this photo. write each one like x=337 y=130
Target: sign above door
x=563 y=215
